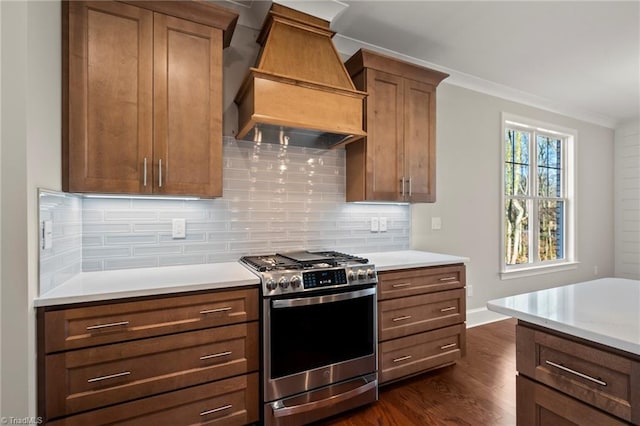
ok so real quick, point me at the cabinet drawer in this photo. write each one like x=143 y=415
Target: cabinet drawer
x=539 y=405
x=603 y=379
x=90 y=378
x=415 y=314
x=227 y=402
x=409 y=282
x=420 y=352
x=115 y=322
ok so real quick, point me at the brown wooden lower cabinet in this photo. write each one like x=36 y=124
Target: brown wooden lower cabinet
x=539 y=405
x=226 y=402
x=566 y=380
x=421 y=320
x=197 y=363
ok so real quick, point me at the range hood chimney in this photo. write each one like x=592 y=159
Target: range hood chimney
x=299 y=93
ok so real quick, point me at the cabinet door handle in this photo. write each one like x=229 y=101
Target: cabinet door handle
x=216 y=410
x=448 y=279
x=406 y=317
x=450 y=308
x=218 y=355
x=110 y=376
x=409 y=186
x=160 y=173
x=113 y=324
x=213 y=311
x=450 y=345
x=144 y=182
x=401 y=285
x=576 y=373
x=402 y=180
x=402 y=358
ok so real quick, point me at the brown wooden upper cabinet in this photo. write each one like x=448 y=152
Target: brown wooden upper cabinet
x=396 y=161
x=142 y=97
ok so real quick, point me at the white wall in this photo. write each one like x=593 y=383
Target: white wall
x=627 y=200
x=30 y=158
x=468 y=193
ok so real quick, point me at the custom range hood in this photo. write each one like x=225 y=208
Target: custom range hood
x=299 y=93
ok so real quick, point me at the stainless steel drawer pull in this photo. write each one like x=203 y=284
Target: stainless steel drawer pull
x=113 y=324
x=402 y=358
x=215 y=355
x=401 y=285
x=213 y=311
x=450 y=308
x=160 y=173
x=577 y=373
x=450 y=345
x=406 y=317
x=110 y=376
x=448 y=279
x=215 y=410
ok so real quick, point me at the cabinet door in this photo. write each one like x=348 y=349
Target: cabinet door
x=187 y=108
x=384 y=145
x=107 y=90
x=420 y=141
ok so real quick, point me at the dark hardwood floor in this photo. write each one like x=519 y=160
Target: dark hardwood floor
x=480 y=389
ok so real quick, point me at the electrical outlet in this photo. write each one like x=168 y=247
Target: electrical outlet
x=383 y=224
x=179 y=228
x=595 y=270
x=469 y=291
x=375 y=225
x=436 y=223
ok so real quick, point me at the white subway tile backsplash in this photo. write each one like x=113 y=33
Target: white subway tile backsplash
x=274 y=199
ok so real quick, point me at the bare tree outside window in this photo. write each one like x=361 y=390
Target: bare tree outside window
x=534 y=180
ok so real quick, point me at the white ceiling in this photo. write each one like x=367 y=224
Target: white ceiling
x=581 y=58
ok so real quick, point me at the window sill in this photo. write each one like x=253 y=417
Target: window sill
x=538 y=270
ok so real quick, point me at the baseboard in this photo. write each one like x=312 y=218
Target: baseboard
x=480 y=316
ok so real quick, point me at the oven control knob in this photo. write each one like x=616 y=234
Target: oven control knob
x=283 y=282
x=271 y=284
x=295 y=281
x=351 y=275
x=371 y=273
x=361 y=274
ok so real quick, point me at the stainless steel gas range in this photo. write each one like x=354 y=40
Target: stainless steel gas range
x=319 y=334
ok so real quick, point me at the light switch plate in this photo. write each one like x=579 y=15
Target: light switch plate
x=179 y=228
x=374 y=224
x=383 y=224
x=436 y=223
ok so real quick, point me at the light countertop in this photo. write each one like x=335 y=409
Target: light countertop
x=385 y=261
x=122 y=283
x=108 y=285
x=605 y=311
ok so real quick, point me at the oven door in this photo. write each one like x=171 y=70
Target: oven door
x=318 y=340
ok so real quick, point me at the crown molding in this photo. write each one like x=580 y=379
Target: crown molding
x=348 y=46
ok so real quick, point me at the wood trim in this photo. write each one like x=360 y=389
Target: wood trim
x=364 y=58
x=200 y=12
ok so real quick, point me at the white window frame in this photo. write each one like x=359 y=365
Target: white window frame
x=569 y=173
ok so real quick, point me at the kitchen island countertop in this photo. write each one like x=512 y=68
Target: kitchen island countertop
x=385 y=261
x=122 y=283
x=605 y=311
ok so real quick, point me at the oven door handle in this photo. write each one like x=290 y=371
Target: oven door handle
x=279 y=410
x=327 y=298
